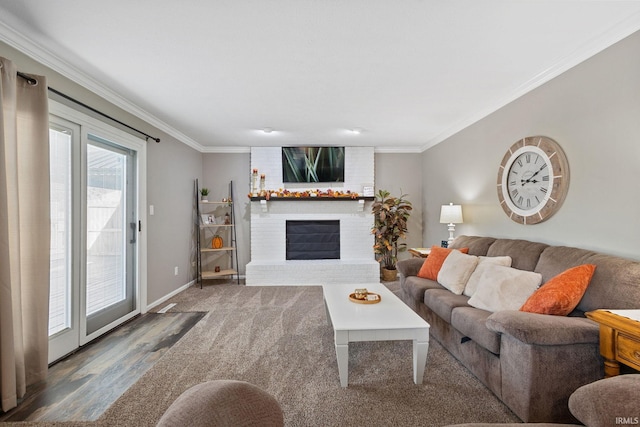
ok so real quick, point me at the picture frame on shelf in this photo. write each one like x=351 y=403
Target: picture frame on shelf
x=208 y=219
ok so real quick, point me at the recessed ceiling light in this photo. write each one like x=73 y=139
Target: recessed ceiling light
x=267 y=130
x=357 y=131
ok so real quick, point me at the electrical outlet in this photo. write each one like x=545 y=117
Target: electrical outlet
x=175 y=271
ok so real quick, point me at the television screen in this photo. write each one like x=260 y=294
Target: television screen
x=313 y=164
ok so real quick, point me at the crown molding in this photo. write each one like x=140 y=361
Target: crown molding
x=32 y=49
x=226 y=150
x=597 y=44
x=397 y=150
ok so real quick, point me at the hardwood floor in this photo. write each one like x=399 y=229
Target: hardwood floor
x=82 y=386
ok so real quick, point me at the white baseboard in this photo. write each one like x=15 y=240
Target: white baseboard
x=166 y=297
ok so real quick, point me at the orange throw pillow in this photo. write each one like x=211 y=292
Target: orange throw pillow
x=434 y=261
x=560 y=295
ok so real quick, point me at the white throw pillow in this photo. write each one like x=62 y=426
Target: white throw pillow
x=504 y=288
x=455 y=271
x=472 y=283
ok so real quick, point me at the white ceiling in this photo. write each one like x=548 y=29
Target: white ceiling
x=408 y=73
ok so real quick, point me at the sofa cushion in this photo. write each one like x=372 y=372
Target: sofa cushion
x=477 y=245
x=612 y=272
x=223 y=403
x=471 y=322
x=611 y=401
x=560 y=295
x=456 y=270
x=434 y=261
x=442 y=302
x=474 y=279
x=504 y=288
x=414 y=287
x=524 y=254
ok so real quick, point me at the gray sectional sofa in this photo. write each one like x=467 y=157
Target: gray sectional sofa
x=532 y=362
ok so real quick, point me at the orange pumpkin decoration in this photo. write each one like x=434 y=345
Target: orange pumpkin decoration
x=217 y=242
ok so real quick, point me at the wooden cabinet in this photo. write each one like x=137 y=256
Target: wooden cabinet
x=216 y=238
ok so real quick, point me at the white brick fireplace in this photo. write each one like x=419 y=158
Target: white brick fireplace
x=269 y=265
x=357 y=263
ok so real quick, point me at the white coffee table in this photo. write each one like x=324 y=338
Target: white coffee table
x=388 y=320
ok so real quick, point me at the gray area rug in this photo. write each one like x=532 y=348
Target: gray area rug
x=278 y=338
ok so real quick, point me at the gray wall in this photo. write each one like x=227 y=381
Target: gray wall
x=593 y=112
x=402 y=174
x=171 y=169
x=218 y=170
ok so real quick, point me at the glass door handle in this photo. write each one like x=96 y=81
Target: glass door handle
x=133 y=232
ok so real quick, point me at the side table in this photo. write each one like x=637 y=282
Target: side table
x=619 y=338
x=420 y=252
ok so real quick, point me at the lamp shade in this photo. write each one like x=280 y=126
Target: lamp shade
x=451 y=214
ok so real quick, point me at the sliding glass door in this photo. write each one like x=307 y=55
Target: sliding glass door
x=64 y=142
x=95 y=231
x=111 y=233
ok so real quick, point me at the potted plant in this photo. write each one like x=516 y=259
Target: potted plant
x=204 y=192
x=390 y=225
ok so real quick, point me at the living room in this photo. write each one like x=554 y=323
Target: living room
x=590 y=108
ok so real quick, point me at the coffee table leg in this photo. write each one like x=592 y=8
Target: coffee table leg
x=342 y=355
x=326 y=309
x=420 y=349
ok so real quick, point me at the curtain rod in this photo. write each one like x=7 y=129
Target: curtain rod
x=33 y=81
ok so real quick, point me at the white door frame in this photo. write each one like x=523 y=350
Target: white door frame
x=90 y=125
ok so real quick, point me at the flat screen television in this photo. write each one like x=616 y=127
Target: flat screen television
x=313 y=164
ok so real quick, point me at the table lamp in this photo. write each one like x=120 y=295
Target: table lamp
x=451 y=214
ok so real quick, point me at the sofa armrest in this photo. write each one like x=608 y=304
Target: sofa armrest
x=544 y=329
x=409 y=267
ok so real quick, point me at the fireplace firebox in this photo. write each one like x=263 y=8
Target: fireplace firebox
x=312 y=239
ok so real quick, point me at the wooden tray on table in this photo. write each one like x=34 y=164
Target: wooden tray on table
x=378 y=298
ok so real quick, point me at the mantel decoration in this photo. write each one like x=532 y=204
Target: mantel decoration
x=390 y=225
x=254 y=182
x=268 y=194
x=280 y=192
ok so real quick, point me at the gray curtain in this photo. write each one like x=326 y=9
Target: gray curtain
x=24 y=232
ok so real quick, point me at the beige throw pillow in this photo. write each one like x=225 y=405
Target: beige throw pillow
x=472 y=283
x=455 y=271
x=504 y=288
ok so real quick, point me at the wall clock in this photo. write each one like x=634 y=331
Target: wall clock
x=533 y=179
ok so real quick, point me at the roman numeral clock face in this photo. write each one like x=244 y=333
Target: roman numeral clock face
x=533 y=179
x=528 y=180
